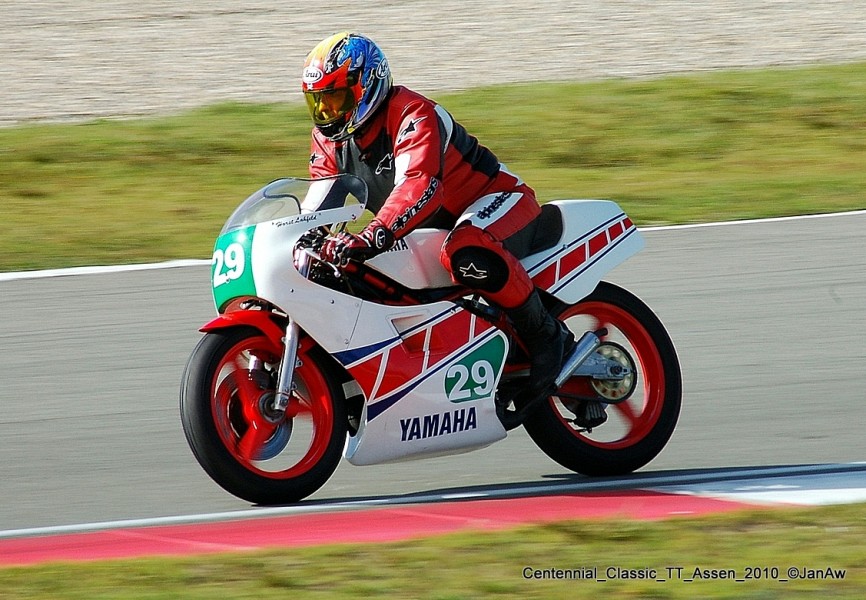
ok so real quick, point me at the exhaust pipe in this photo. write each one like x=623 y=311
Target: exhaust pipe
x=586 y=345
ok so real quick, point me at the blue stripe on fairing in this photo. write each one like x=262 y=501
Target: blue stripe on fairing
x=349 y=357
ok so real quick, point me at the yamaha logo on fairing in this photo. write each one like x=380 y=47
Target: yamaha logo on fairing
x=455 y=421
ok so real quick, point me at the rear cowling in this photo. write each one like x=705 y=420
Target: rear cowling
x=596 y=236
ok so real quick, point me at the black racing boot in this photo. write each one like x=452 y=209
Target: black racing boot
x=548 y=342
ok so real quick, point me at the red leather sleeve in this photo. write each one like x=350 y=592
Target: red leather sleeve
x=323 y=162
x=418 y=164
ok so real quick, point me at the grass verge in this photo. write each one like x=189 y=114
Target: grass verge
x=823 y=545
x=713 y=146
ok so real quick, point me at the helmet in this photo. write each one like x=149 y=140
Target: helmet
x=346 y=78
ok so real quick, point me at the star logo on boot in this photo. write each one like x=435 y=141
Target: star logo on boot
x=470 y=271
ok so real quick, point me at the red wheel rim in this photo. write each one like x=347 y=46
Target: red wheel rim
x=631 y=421
x=236 y=399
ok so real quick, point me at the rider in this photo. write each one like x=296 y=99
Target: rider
x=424 y=170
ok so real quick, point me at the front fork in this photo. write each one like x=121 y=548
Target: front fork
x=290 y=353
x=287 y=368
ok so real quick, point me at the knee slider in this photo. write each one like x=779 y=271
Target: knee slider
x=479 y=268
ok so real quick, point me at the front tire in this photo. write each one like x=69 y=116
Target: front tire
x=637 y=428
x=223 y=404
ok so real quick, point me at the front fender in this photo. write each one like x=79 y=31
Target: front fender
x=258 y=319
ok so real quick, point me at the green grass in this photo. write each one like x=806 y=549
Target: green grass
x=488 y=565
x=714 y=146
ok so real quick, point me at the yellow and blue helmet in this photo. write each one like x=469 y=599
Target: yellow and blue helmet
x=346 y=78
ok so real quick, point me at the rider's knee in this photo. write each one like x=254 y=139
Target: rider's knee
x=479 y=268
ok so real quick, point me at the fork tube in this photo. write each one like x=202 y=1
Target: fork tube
x=290 y=354
x=287 y=368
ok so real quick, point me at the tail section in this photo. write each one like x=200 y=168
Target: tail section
x=597 y=236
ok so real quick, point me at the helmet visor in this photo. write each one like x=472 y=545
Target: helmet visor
x=329 y=105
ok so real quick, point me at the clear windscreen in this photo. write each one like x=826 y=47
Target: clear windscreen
x=290 y=197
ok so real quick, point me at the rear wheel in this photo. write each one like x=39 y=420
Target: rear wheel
x=647 y=404
x=227 y=390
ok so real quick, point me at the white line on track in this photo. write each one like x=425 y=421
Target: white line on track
x=95 y=270
x=849 y=213
x=634 y=481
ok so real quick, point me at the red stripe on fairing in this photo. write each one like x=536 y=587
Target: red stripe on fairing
x=547 y=277
x=401 y=366
x=598 y=243
x=356 y=526
x=366 y=373
x=406 y=363
x=481 y=326
x=573 y=260
x=453 y=332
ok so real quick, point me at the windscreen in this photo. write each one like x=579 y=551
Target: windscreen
x=285 y=197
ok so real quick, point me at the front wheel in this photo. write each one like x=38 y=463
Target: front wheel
x=641 y=422
x=227 y=390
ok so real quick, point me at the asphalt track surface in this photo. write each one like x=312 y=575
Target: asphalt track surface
x=767 y=317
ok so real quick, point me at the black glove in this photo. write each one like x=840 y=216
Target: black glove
x=373 y=240
x=313 y=239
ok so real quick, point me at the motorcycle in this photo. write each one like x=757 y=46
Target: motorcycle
x=388 y=359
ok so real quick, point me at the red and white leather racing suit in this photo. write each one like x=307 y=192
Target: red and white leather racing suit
x=423 y=169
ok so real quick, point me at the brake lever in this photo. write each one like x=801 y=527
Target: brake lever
x=317 y=257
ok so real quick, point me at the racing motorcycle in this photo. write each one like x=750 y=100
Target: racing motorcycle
x=388 y=359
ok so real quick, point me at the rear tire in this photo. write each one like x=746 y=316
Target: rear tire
x=638 y=428
x=248 y=456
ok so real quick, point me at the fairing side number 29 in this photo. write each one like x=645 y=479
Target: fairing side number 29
x=228 y=264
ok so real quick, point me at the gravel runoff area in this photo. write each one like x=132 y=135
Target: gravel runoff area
x=62 y=60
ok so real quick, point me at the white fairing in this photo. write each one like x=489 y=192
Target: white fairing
x=428 y=418
x=328 y=315
x=428 y=372
x=409 y=433
x=414 y=260
x=597 y=236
